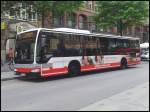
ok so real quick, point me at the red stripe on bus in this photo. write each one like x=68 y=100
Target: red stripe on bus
x=134 y=62
x=126 y=50
x=54 y=74
x=87 y=67
x=97 y=67
x=24 y=70
x=54 y=71
x=115 y=64
x=59 y=71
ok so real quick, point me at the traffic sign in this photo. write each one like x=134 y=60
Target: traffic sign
x=19 y=29
x=3 y=25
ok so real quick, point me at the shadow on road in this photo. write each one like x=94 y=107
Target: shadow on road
x=66 y=76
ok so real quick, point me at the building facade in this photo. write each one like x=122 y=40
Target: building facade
x=15 y=21
x=80 y=19
x=26 y=18
x=140 y=31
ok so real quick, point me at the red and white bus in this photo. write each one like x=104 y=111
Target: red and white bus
x=50 y=52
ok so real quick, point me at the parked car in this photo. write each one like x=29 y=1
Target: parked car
x=145 y=55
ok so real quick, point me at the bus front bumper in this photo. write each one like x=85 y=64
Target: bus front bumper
x=28 y=72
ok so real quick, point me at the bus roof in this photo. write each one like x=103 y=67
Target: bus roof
x=72 y=30
x=34 y=29
x=81 y=32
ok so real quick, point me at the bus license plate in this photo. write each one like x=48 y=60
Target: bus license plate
x=23 y=74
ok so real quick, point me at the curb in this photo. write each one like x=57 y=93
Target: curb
x=5 y=79
x=11 y=77
x=7 y=72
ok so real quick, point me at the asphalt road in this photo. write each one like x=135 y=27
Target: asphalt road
x=69 y=93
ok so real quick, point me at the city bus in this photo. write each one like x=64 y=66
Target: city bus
x=49 y=52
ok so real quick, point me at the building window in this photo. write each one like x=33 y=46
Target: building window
x=71 y=20
x=89 y=5
x=32 y=15
x=23 y=14
x=20 y=12
x=82 y=22
x=57 y=20
x=92 y=27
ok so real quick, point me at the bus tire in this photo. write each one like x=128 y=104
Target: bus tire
x=123 y=63
x=74 y=68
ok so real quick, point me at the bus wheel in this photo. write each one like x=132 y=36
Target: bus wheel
x=74 y=68
x=123 y=63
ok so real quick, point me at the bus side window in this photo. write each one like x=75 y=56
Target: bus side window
x=111 y=45
x=91 y=45
x=72 y=45
x=60 y=48
x=104 y=45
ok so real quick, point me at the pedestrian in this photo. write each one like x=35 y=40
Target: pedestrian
x=11 y=55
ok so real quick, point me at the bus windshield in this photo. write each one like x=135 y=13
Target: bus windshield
x=24 y=51
x=51 y=44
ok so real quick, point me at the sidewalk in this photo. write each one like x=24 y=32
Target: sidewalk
x=5 y=68
x=6 y=73
x=8 y=76
x=135 y=99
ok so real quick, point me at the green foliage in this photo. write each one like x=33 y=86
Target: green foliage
x=13 y=7
x=6 y=6
x=69 y=6
x=40 y=6
x=43 y=7
x=121 y=13
x=57 y=6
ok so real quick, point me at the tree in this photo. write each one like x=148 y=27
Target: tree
x=121 y=14
x=6 y=6
x=42 y=7
x=59 y=7
x=11 y=7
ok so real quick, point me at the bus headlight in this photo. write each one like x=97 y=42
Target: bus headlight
x=35 y=70
x=15 y=70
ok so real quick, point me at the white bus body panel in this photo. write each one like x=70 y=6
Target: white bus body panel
x=59 y=62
